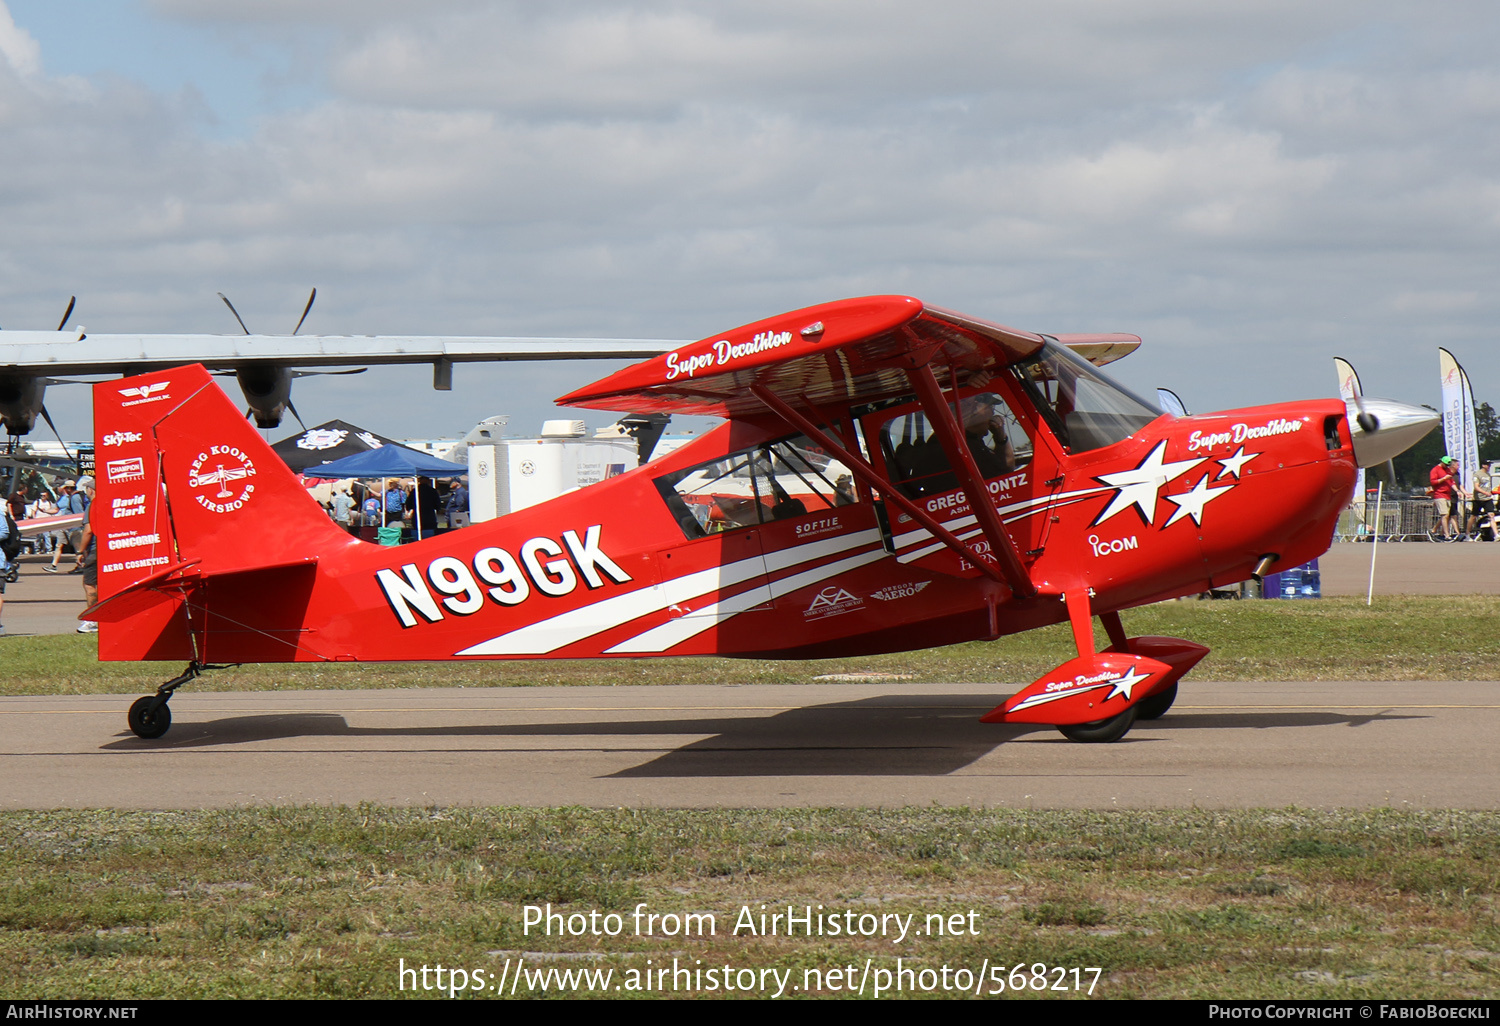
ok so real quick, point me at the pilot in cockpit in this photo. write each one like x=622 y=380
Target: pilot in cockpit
x=984 y=429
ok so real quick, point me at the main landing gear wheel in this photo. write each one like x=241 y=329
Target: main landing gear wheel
x=1101 y=731
x=1155 y=707
x=147 y=722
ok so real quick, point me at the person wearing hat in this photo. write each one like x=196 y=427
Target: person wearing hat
x=68 y=501
x=1482 y=505
x=981 y=424
x=88 y=564
x=1445 y=487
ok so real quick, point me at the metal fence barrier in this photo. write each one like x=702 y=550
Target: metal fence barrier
x=1400 y=520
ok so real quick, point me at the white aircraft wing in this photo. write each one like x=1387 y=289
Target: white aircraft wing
x=68 y=352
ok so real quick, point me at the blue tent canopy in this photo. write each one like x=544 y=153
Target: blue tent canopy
x=387 y=461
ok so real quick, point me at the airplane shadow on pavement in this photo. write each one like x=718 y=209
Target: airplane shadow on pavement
x=892 y=735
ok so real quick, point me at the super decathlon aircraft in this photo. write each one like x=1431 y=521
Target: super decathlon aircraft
x=831 y=515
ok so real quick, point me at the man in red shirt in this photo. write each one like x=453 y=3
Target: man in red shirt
x=1444 y=487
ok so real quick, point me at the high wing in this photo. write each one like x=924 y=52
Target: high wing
x=853 y=351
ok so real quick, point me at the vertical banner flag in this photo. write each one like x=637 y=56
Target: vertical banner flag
x=1349 y=390
x=1458 y=419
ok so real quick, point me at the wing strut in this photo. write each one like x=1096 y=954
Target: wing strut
x=866 y=473
x=950 y=433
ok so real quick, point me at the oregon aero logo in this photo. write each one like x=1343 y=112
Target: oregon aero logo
x=899 y=591
x=222 y=468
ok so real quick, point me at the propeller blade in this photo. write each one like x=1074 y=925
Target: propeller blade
x=235 y=312
x=48 y=417
x=66 y=314
x=295 y=413
x=305 y=310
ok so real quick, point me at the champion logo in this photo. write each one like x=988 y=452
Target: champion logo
x=133 y=469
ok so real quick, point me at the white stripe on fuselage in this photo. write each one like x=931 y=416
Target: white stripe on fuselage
x=675 y=632
x=1019 y=511
x=921 y=533
x=573 y=626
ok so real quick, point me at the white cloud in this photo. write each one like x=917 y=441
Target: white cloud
x=17 y=48
x=1218 y=177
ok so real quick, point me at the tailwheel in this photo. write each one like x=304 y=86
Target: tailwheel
x=1101 y=731
x=1155 y=707
x=146 y=722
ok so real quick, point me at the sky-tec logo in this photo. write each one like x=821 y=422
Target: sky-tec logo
x=542 y=564
x=120 y=438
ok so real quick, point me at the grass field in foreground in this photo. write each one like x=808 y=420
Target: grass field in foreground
x=326 y=902
x=1407 y=638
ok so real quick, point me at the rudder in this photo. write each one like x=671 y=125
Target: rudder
x=183 y=480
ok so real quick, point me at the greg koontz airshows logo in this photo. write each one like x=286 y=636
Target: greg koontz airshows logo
x=226 y=472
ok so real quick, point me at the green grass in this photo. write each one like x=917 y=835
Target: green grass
x=302 y=902
x=312 y=902
x=1410 y=638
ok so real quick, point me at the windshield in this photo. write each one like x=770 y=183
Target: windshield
x=1086 y=409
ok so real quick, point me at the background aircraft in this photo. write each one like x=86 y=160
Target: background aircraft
x=264 y=365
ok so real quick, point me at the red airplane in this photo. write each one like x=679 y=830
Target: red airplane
x=831 y=515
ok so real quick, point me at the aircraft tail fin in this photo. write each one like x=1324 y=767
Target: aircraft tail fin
x=188 y=491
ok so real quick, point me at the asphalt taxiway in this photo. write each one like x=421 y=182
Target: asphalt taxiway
x=1426 y=744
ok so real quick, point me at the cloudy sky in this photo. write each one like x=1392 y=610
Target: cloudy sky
x=1253 y=187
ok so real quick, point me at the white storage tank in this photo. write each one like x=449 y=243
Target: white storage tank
x=512 y=473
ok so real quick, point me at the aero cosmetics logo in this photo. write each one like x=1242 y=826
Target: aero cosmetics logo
x=222 y=468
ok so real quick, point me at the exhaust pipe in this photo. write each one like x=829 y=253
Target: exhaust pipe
x=1263 y=564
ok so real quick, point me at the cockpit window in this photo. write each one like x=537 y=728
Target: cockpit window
x=774 y=481
x=1086 y=409
x=914 y=452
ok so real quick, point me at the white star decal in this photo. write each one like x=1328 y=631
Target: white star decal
x=1124 y=685
x=1190 y=504
x=1139 y=487
x=1236 y=463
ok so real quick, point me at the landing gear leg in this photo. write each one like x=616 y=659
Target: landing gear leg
x=149 y=716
